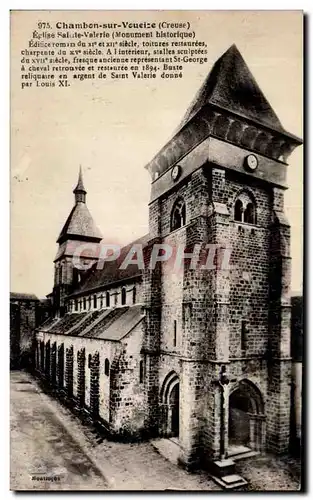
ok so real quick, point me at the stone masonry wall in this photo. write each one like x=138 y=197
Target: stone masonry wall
x=128 y=396
x=86 y=360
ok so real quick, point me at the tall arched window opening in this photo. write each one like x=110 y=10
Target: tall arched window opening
x=239 y=211
x=178 y=218
x=245 y=209
x=249 y=214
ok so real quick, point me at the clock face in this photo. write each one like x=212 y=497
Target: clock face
x=251 y=162
x=175 y=172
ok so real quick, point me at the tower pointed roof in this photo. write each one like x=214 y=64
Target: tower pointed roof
x=230 y=85
x=80 y=224
x=80 y=184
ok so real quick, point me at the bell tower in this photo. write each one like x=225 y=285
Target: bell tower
x=78 y=230
x=220 y=181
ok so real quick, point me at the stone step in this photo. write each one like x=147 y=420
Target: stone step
x=245 y=455
x=230 y=482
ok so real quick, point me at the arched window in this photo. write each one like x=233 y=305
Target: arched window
x=248 y=137
x=107 y=299
x=221 y=126
x=178 y=218
x=249 y=214
x=123 y=296
x=245 y=208
x=261 y=142
x=234 y=132
x=238 y=211
x=95 y=301
x=107 y=367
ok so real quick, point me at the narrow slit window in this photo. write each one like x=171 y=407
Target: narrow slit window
x=175 y=334
x=107 y=367
x=95 y=301
x=107 y=299
x=141 y=372
x=244 y=336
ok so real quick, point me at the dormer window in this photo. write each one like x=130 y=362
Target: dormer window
x=178 y=218
x=245 y=209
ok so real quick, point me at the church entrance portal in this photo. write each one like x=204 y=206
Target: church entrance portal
x=170 y=405
x=174 y=405
x=246 y=424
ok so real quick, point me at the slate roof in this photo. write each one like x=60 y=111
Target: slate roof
x=122 y=325
x=231 y=86
x=79 y=223
x=70 y=247
x=105 y=324
x=23 y=296
x=111 y=272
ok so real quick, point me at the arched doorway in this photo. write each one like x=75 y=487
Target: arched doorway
x=246 y=421
x=170 y=405
x=174 y=405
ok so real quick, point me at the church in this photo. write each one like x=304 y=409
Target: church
x=200 y=356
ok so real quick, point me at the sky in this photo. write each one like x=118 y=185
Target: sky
x=114 y=128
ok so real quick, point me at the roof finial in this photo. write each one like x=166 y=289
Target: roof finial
x=80 y=191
